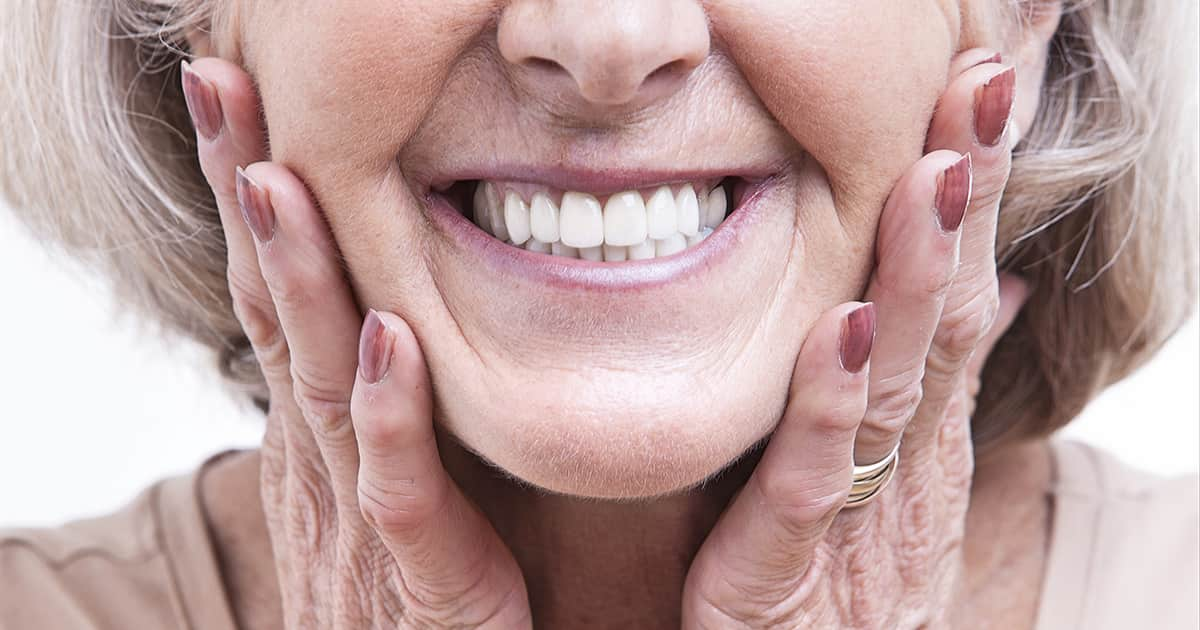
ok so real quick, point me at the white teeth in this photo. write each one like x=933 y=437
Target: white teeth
x=661 y=219
x=696 y=238
x=558 y=249
x=626 y=227
x=624 y=219
x=534 y=245
x=615 y=253
x=581 y=221
x=543 y=218
x=672 y=244
x=494 y=209
x=716 y=207
x=591 y=253
x=516 y=218
x=484 y=194
x=687 y=211
x=642 y=251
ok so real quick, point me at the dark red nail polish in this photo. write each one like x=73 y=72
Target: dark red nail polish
x=858 y=335
x=203 y=104
x=993 y=105
x=374 y=348
x=953 y=194
x=256 y=207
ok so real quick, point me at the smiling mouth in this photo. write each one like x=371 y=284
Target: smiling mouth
x=638 y=224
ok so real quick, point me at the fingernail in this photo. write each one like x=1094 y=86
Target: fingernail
x=993 y=104
x=953 y=194
x=374 y=348
x=858 y=335
x=203 y=104
x=256 y=207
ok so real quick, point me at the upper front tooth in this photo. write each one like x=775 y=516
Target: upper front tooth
x=688 y=211
x=624 y=219
x=516 y=218
x=661 y=219
x=580 y=220
x=716 y=207
x=543 y=218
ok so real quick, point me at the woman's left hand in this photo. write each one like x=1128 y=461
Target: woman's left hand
x=785 y=553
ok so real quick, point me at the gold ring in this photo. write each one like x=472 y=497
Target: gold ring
x=868 y=481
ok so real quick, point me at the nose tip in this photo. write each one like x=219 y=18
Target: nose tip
x=608 y=52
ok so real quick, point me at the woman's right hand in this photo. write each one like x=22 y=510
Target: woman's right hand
x=367 y=528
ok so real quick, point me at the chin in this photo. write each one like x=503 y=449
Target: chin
x=616 y=435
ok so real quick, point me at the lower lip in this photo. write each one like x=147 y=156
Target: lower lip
x=576 y=274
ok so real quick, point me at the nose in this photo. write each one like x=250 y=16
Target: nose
x=607 y=52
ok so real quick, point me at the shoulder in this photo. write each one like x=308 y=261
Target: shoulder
x=135 y=568
x=1125 y=543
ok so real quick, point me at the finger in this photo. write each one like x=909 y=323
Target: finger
x=224 y=108
x=452 y=561
x=765 y=539
x=917 y=253
x=972 y=115
x=316 y=310
x=1013 y=291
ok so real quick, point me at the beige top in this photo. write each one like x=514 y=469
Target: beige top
x=1124 y=553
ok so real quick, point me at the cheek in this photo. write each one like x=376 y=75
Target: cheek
x=854 y=82
x=351 y=81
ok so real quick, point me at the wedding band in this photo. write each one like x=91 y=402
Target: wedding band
x=868 y=481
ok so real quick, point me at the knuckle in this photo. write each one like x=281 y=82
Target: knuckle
x=401 y=509
x=803 y=499
x=963 y=327
x=251 y=310
x=289 y=292
x=840 y=418
x=895 y=402
x=323 y=404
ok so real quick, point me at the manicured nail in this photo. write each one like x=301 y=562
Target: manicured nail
x=858 y=335
x=953 y=194
x=993 y=105
x=374 y=348
x=256 y=207
x=202 y=103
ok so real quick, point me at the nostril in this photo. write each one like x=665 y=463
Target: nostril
x=666 y=71
x=546 y=65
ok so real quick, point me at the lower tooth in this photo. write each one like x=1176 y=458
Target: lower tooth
x=673 y=244
x=558 y=249
x=591 y=253
x=696 y=238
x=642 y=251
x=615 y=253
x=540 y=247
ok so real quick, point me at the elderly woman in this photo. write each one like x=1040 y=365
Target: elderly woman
x=625 y=314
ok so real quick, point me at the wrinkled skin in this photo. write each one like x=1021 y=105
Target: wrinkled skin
x=368 y=527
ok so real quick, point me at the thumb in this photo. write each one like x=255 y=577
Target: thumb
x=455 y=569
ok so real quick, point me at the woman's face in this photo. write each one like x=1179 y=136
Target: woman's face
x=606 y=379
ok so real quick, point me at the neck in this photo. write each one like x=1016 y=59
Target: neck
x=608 y=563
x=586 y=559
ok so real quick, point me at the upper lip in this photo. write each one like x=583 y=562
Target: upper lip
x=599 y=181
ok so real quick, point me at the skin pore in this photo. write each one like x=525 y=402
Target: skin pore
x=372 y=102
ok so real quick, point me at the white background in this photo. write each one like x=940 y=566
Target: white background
x=91 y=411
